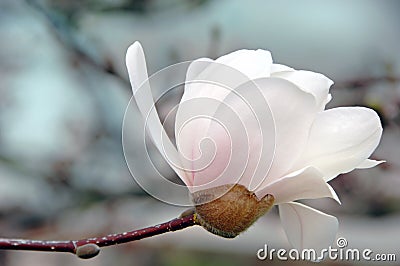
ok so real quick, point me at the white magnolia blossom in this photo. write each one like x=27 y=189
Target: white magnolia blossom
x=300 y=148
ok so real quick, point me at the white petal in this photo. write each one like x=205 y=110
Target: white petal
x=252 y=63
x=136 y=65
x=293 y=112
x=203 y=69
x=137 y=69
x=314 y=83
x=306 y=227
x=368 y=163
x=341 y=139
x=230 y=70
x=308 y=183
x=279 y=68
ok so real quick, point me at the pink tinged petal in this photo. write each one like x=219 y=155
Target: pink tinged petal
x=253 y=63
x=285 y=131
x=192 y=122
x=214 y=80
x=306 y=227
x=247 y=117
x=137 y=69
x=307 y=183
x=219 y=171
x=341 y=139
x=314 y=83
x=368 y=163
x=207 y=84
x=293 y=112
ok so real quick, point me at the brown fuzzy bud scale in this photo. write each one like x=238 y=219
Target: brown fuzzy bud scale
x=233 y=212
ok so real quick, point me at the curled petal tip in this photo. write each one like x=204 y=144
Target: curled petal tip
x=136 y=65
x=368 y=163
x=133 y=51
x=134 y=47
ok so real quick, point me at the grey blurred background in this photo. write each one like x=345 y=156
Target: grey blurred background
x=64 y=90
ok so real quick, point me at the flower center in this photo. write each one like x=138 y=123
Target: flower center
x=233 y=212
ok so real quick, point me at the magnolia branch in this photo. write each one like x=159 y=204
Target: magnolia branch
x=90 y=247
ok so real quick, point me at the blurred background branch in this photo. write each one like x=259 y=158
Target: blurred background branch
x=64 y=90
x=61 y=25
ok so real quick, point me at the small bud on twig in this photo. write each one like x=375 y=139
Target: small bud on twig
x=87 y=251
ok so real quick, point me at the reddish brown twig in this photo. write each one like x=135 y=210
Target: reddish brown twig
x=90 y=247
